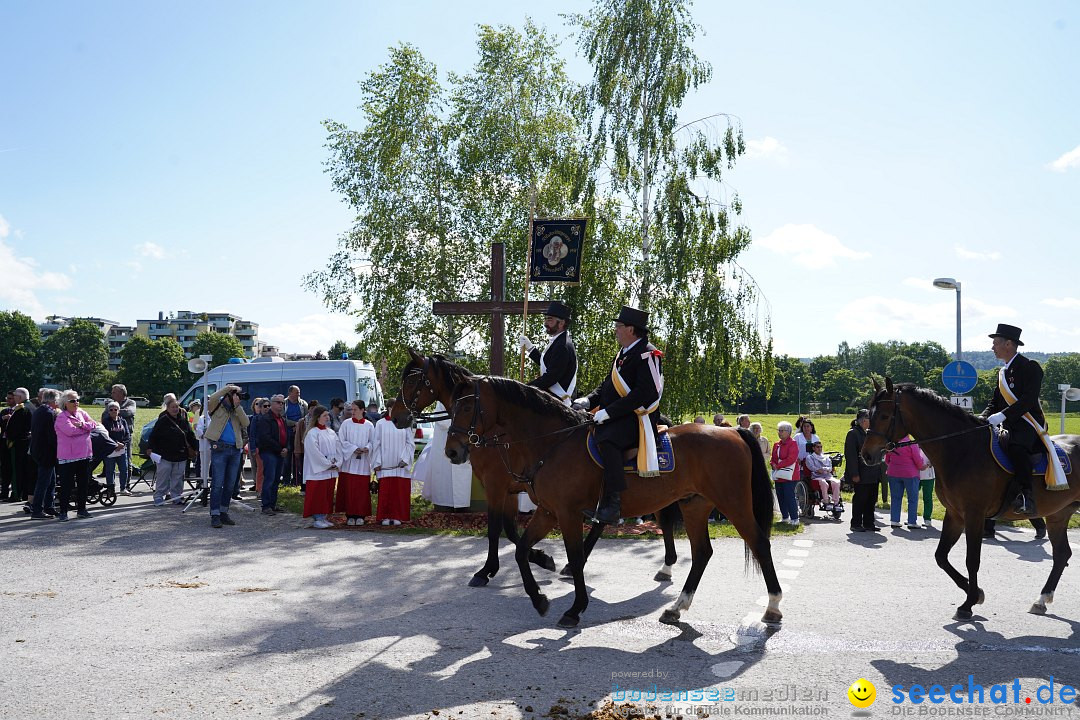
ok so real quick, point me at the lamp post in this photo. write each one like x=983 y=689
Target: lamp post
x=952 y=284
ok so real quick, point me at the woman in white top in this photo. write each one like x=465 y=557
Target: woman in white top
x=805 y=440
x=322 y=458
x=354 y=480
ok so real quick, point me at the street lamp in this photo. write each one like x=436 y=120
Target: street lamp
x=1067 y=393
x=952 y=284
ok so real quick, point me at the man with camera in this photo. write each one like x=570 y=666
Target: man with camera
x=227 y=435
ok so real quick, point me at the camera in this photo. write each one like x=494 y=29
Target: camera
x=243 y=395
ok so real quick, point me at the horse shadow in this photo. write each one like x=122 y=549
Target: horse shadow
x=1017 y=657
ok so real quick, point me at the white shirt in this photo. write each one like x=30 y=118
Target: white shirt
x=356 y=436
x=321 y=450
x=392 y=450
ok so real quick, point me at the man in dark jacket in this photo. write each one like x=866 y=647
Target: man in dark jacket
x=558 y=362
x=43 y=450
x=628 y=400
x=1015 y=406
x=273 y=443
x=865 y=478
x=18 y=443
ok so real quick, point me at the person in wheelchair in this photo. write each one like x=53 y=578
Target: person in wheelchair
x=821 y=476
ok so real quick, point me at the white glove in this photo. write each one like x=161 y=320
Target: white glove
x=601 y=416
x=580 y=404
x=996 y=419
x=525 y=343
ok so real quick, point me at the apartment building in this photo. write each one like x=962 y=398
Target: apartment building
x=184 y=325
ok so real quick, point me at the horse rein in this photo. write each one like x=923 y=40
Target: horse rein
x=411 y=404
x=890 y=445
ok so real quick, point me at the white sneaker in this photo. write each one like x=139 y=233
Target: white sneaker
x=359 y=521
x=396 y=522
x=894 y=525
x=795 y=522
x=928 y=524
x=350 y=521
x=322 y=524
x=386 y=522
x=912 y=526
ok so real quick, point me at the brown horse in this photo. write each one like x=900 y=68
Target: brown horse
x=503 y=425
x=970 y=484
x=427 y=379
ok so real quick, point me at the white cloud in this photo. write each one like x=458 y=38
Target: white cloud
x=1068 y=303
x=150 y=250
x=23 y=279
x=965 y=254
x=1067 y=161
x=768 y=147
x=311 y=333
x=809 y=246
x=880 y=318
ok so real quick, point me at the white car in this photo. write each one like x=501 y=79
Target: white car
x=424 y=432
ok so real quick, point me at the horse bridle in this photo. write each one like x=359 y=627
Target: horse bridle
x=890 y=445
x=410 y=405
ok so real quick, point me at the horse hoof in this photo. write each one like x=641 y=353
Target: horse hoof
x=541 y=604
x=568 y=621
x=478 y=580
x=982 y=598
x=772 y=617
x=669 y=618
x=962 y=614
x=545 y=561
x=566 y=571
x=1037 y=609
x=661 y=577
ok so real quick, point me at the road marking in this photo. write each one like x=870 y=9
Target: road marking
x=800 y=542
x=792 y=563
x=798 y=553
x=787 y=574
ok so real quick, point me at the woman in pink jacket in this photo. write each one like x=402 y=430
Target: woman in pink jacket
x=73 y=452
x=784 y=462
x=903 y=466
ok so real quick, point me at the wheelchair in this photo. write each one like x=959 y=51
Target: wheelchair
x=809 y=497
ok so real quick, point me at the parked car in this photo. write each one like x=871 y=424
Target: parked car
x=424 y=432
x=139 y=401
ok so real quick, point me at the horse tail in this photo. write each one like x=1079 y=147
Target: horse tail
x=761 y=493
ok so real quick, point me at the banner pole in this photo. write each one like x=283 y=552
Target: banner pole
x=525 y=309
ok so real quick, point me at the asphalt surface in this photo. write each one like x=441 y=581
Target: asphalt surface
x=145 y=612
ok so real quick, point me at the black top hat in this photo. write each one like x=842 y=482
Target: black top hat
x=633 y=317
x=557 y=309
x=1009 y=332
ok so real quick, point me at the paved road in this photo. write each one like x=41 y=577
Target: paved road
x=143 y=612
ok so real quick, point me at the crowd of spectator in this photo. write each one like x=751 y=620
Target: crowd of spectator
x=50 y=447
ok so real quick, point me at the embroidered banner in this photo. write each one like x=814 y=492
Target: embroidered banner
x=556 y=250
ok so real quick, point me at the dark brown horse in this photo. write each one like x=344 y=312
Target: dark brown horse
x=427 y=379
x=970 y=484
x=502 y=424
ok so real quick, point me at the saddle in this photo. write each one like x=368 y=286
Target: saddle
x=664 y=453
x=1038 y=460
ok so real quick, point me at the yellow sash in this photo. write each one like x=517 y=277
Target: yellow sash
x=648 y=464
x=1055 y=475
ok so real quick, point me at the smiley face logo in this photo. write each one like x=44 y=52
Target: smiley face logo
x=862 y=693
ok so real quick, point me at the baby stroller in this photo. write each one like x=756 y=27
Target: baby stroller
x=809 y=497
x=100 y=493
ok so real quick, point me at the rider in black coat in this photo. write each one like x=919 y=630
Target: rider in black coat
x=558 y=363
x=639 y=366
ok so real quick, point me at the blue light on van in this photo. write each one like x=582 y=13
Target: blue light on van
x=236 y=361
x=344 y=356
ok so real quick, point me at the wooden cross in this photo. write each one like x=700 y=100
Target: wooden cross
x=496 y=307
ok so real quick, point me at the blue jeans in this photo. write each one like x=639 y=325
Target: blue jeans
x=120 y=463
x=898 y=487
x=272 y=463
x=223 y=466
x=44 y=489
x=789 y=506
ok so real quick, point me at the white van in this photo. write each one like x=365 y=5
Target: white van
x=318 y=380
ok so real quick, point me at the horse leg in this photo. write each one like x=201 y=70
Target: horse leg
x=1057 y=530
x=491 y=566
x=595 y=531
x=973 y=531
x=575 y=559
x=696 y=520
x=667 y=516
x=951 y=529
x=759 y=546
x=536 y=556
x=538 y=528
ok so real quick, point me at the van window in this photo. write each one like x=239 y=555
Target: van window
x=197 y=394
x=367 y=391
x=314 y=391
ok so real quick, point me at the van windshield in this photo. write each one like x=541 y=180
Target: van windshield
x=367 y=391
x=313 y=391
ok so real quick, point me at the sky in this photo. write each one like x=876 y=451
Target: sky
x=169 y=156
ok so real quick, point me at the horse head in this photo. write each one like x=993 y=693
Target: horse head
x=417 y=390
x=467 y=421
x=886 y=423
